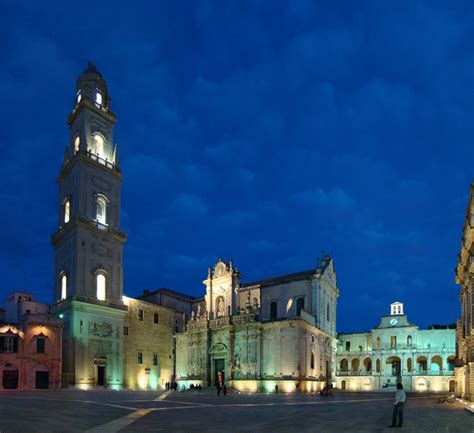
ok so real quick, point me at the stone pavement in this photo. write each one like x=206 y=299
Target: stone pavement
x=147 y=411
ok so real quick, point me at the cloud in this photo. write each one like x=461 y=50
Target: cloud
x=335 y=197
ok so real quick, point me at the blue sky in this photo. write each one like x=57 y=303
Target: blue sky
x=261 y=131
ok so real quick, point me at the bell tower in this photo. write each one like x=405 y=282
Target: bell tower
x=88 y=242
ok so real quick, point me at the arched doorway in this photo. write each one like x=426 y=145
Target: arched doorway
x=451 y=385
x=343 y=384
x=436 y=363
x=355 y=365
x=422 y=364
x=101 y=362
x=396 y=365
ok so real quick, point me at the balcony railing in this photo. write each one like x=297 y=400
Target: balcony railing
x=100 y=160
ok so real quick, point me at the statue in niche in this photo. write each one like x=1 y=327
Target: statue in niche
x=221 y=308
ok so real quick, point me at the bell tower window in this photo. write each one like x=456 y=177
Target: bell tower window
x=98 y=144
x=101 y=284
x=98 y=98
x=77 y=143
x=67 y=211
x=63 y=287
x=101 y=210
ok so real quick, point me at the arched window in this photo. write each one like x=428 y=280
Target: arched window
x=274 y=310
x=344 y=366
x=98 y=98
x=101 y=286
x=409 y=341
x=77 y=143
x=327 y=312
x=377 y=343
x=312 y=360
x=101 y=210
x=66 y=211
x=409 y=366
x=299 y=306
x=63 y=287
x=377 y=366
x=368 y=364
x=98 y=145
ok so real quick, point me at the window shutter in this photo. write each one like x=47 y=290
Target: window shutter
x=2 y=344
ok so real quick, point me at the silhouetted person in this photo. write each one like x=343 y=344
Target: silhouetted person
x=276 y=389
x=399 y=403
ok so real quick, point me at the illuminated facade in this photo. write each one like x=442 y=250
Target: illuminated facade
x=465 y=328
x=88 y=242
x=279 y=331
x=30 y=344
x=148 y=345
x=397 y=351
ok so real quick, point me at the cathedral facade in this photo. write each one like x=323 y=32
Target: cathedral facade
x=258 y=335
x=465 y=325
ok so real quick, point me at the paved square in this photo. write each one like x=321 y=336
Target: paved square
x=146 y=411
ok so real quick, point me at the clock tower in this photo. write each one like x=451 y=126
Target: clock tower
x=88 y=242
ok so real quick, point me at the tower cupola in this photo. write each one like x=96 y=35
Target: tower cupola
x=91 y=120
x=91 y=85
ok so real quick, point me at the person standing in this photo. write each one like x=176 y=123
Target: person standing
x=399 y=403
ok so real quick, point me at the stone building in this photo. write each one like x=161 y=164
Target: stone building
x=30 y=344
x=465 y=328
x=148 y=345
x=397 y=351
x=88 y=242
x=279 y=331
x=88 y=246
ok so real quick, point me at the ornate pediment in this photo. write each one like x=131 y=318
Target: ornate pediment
x=222 y=269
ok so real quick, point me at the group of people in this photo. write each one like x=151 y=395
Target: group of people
x=173 y=386
x=197 y=387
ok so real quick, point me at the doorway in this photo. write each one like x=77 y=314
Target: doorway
x=343 y=384
x=219 y=377
x=451 y=386
x=100 y=375
x=42 y=380
x=10 y=379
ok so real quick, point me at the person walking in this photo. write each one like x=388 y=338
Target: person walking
x=399 y=403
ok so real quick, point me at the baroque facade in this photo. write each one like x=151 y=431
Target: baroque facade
x=465 y=325
x=397 y=351
x=279 y=331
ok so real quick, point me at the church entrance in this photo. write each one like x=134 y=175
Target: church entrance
x=219 y=377
x=100 y=375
